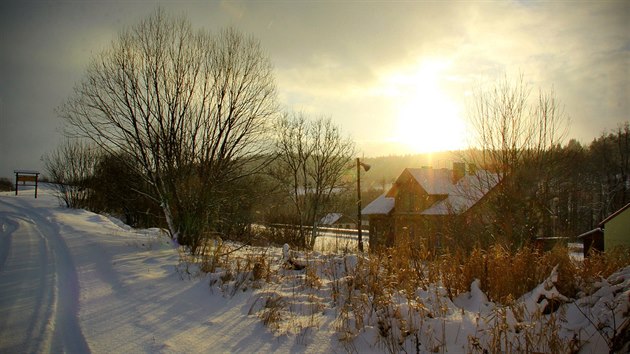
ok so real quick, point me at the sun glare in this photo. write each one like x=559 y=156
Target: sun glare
x=427 y=118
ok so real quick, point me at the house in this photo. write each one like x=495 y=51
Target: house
x=422 y=200
x=338 y=220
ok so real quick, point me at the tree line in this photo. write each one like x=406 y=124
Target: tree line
x=547 y=189
x=570 y=193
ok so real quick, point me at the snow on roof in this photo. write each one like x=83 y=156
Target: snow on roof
x=330 y=218
x=379 y=206
x=433 y=181
x=595 y=231
x=460 y=196
x=464 y=194
x=32 y=172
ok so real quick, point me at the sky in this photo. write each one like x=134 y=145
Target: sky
x=396 y=76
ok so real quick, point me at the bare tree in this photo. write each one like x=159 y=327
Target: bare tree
x=70 y=168
x=511 y=128
x=516 y=135
x=312 y=157
x=191 y=108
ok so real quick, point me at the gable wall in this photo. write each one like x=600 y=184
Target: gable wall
x=410 y=197
x=617 y=231
x=381 y=231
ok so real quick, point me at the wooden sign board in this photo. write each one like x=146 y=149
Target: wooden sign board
x=23 y=178
x=26 y=176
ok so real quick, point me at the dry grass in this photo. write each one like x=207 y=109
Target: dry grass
x=601 y=265
x=403 y=293
x=505 y=275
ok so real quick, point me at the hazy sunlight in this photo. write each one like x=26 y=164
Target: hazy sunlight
x=427 y=118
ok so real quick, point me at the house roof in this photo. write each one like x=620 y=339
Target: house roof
x=595 y=231
x=433 y=181
x=614 y=215
x=330 y=218
x=380 y=206
x=461 y=196
x=464 y=194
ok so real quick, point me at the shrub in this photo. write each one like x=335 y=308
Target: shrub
x=5 y=185
x=70 y=167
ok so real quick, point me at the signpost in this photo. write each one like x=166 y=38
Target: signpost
x=26 y=176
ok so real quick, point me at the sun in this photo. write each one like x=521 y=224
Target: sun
x=427 y=118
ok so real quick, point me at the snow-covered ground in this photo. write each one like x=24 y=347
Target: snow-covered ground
x=74 y=281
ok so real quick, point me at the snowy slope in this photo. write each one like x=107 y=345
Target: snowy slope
x=78 y=282
x=75 y=281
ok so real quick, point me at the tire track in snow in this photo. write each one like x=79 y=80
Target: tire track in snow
x=45 y=297
x=7 y=227
x=27 y=280
x=42 y=277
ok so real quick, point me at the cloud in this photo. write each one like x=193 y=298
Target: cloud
x=331 y=57
x=579 y=49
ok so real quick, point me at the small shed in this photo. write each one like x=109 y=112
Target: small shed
x=338 y=220
x=593 y=239
x=617 y=228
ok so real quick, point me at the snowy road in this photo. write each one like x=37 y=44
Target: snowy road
x=77 y=282
x=40 y=292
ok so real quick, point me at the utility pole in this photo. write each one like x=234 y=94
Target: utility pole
x=367 y=168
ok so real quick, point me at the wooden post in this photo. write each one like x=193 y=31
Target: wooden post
x=359 y=233
x=366 y=167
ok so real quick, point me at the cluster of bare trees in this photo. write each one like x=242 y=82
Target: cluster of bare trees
x=547 y=189
x=312 y=159
x=516 y=136
x=85 y=176
x=513 y=128
x=71 y=166
x=188 y=115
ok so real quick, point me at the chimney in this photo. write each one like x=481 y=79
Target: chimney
x=428 y=171
x=459 y=171
x=472 y=168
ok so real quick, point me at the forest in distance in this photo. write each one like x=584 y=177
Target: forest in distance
x=587 y=181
